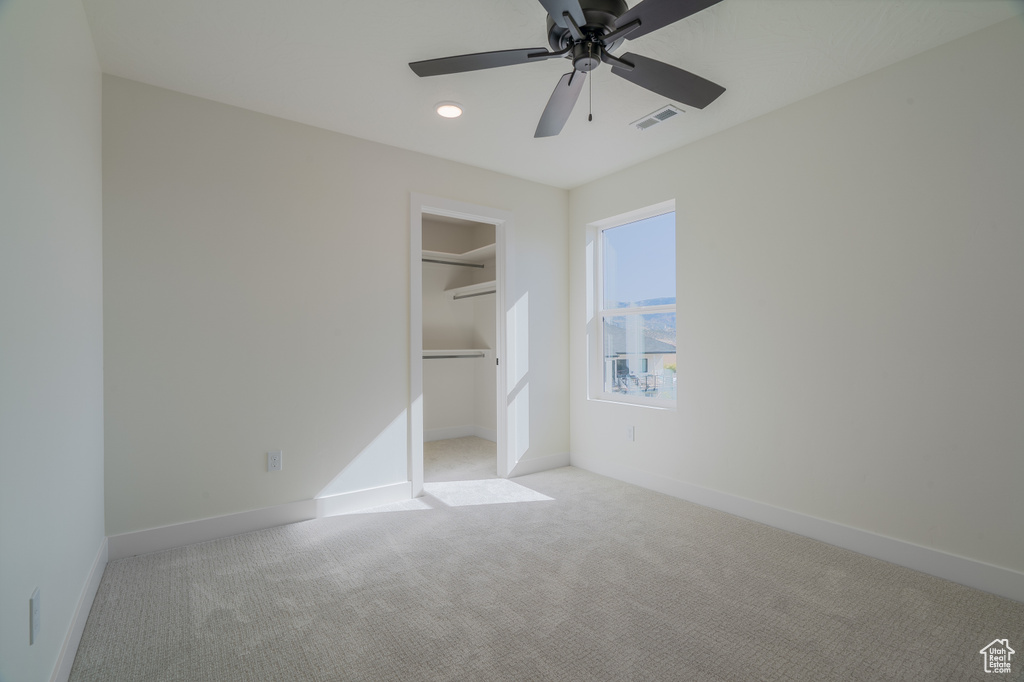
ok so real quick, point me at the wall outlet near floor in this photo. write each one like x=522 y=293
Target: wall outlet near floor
x=631 y=433
x=274 y=460
x=35 y=621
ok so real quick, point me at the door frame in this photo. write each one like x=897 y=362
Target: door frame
x=419 y=205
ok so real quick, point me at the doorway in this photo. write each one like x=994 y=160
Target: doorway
x=458 y=277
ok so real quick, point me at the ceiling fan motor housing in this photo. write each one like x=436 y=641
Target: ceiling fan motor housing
x=586 y=56
x=600 y=16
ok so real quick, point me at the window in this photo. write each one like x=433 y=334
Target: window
x=634 y=324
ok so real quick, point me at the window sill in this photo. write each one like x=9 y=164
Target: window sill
x=652 y=403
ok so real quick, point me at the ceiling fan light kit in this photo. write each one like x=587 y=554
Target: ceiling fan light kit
x=587 y=32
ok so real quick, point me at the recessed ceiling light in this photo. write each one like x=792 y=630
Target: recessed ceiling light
x=449 y=110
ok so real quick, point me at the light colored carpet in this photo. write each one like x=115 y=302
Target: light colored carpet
x=604 y=581
x=460 y=459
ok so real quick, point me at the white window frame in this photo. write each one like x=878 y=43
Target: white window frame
x=596 y=313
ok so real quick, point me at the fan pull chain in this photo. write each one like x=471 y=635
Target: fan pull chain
x=590 y=114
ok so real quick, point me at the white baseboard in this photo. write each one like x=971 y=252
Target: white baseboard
x=486 y=434
x=970 y=572
x=66 y=658
x=536 y=464
x=446 y=432
x=333 y=505
x=178 y=534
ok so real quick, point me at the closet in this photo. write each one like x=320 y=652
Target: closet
x=459 y=374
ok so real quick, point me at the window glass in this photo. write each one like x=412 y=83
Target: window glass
x=632 y=351
x=639 y=267
x=640 y=354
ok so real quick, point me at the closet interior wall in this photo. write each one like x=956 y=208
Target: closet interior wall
x=459 y=393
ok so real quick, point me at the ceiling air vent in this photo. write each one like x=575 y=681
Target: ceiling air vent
x=651 y=120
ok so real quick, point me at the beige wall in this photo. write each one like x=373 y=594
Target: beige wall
x=248 y=260
x=51 y=326
x=850 y=306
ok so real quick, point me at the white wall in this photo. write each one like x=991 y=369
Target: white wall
x=449 y=385
x=447 y=323
x=256 y=275
x=851 y=327
x=51 y=312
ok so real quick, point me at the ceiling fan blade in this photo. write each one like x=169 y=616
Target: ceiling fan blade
x=475 y=62
x=563 y=99
x=655 y=14
x=556 y=8
x=669 y=81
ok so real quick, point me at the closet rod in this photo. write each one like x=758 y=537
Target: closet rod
x=461 y=355
x=452 y=262
x=482 y=293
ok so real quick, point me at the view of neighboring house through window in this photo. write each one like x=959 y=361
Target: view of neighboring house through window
x=637 y=309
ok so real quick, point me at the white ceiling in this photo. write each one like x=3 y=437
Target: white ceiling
x=342 y=65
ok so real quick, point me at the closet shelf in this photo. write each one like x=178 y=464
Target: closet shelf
x=476 y=257
x=471 y=290
x=456 y=353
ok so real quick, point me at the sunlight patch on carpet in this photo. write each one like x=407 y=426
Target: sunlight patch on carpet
x=417 y=504
x=489 y=491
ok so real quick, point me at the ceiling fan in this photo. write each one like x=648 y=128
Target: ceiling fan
x=588 y=32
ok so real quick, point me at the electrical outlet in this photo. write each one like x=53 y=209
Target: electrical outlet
x=35 y=621
x=631 y=433
x=274 y=460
